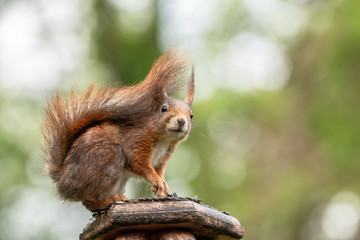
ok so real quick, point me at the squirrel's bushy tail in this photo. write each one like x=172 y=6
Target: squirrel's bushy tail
x=66 y=119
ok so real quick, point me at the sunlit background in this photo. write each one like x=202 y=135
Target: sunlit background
x=276 y=134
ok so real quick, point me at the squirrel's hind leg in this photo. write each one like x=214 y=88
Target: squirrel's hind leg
x=95 y=204
x=94 y=169
x=123 y=198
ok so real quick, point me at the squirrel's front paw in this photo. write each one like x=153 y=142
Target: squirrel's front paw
x=166 y=189
x=158 y=188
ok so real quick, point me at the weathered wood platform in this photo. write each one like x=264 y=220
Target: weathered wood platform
x=162 y=218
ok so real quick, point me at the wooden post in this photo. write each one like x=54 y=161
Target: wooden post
x=162 y=218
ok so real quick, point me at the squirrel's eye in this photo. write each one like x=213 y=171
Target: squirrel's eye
x=164 y=109
x=191 y=116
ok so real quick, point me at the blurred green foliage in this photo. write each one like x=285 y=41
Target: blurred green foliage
x=273 y=159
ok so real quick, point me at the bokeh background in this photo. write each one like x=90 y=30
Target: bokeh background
x=276 y=133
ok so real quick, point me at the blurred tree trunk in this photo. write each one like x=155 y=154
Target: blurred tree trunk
x=127 y=55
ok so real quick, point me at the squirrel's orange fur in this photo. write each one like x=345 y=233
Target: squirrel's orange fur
x=95 y=141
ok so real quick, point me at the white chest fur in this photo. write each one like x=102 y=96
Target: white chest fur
x=159 y=152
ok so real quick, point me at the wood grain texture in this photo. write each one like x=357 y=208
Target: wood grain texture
x=175 y=235
x=164 y=235
x=156 y=216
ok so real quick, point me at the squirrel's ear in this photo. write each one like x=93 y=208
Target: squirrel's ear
x=164 y=93
x=191 y=88
x=159 y=98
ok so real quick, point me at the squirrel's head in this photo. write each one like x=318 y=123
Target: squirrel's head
x=172 y=119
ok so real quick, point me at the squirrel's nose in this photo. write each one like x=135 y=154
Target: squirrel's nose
x=181 y=121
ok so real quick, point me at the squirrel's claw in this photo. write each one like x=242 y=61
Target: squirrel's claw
x=155 y=189
x=160 y=188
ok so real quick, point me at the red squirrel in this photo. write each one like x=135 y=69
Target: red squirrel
x=95 y=141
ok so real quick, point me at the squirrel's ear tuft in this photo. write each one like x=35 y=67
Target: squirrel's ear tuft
x=167 y=72
x=191 y=88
